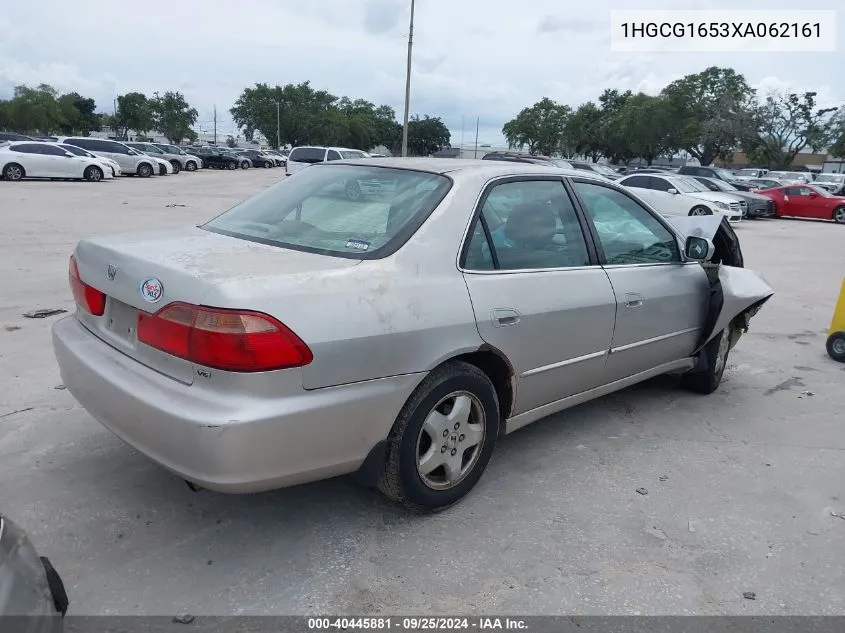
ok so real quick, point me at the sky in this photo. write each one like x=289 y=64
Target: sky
x=472 y=59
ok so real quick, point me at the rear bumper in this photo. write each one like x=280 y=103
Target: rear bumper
x=228 y=442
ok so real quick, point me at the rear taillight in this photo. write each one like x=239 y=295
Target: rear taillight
x=87 y=297
x=232 y=340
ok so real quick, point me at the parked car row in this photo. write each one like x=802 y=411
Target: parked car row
x=87 y=158
x=695 y=190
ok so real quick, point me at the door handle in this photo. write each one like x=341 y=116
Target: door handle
x=633 y=300
x=502 y=317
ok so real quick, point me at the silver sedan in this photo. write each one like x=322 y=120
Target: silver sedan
x=306 y=333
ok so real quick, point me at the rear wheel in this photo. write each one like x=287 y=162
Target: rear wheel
x=700 y=210
x=267 y=164
x=232 y=165
x=244 y=165
x=716 y=353
x=145 y=170
x=13 y=171
x=836 y=346
x=839 y=215
x=442 y=439
x=190 y=166
x=176 y=166
x=93 y=174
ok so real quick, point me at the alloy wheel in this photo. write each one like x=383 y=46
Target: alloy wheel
x=450 y=441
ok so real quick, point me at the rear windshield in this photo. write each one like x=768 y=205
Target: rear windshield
x=352 y=154
x=351 y=211
x=307 y=155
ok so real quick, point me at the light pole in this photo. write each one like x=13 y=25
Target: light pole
x=278 y=126
x=408 y=85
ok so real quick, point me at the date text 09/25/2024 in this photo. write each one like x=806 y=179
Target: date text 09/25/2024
x=416 y=623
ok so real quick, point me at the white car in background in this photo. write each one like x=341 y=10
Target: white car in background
x=164 y=166
x=132 y=162
x=301 y=157
x=680 y=195
x=113 y=168
x=792 y=177
x=34 y=159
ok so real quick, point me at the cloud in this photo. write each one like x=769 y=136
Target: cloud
x=473 y=58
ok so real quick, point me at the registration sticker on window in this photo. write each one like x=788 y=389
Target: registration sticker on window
x=358 y=245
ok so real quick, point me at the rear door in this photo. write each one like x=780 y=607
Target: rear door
x=661 y=301
x=62 y=164
x=35 y=163
x=538 y=294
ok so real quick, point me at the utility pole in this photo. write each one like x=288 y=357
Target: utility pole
x=408 y=85
x=477 y=120
x=463 y=121
x=215 y=124
x=278 y=126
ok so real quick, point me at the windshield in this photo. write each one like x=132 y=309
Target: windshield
x=312 y=212
x=604 y=169
x=565 y=164
x=688 y=185
x=822 y=192
x=830 y=178
x=353 y=154
x=748 y=172
x=724 y=186
x=724 y=174
x=76 y=151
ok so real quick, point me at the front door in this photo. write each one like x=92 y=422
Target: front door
x=795 y=201
x=536 y=290
x=661 y=301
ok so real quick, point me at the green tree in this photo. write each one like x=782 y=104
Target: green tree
x=541 y=127
x=612 y=135
x=5 y=117
x=426 y=136
x=134 y=112
x=644 y=122
x=711 y=112
x=582 y=132
x=34 y=109
x=78 y=114
x=230 y=141
x=837 y=133
x=785 y=124
x=173 y=116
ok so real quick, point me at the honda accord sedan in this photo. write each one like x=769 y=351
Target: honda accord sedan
x=304 y=334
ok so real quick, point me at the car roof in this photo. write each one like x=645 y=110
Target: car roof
x=489 y=168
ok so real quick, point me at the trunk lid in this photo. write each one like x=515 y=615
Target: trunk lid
x=185 y=265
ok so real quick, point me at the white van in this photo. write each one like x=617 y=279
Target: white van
x=301 y=157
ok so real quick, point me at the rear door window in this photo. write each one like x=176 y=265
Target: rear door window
x=333 y=155
x=308 y=155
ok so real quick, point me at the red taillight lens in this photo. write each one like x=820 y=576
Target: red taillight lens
x=86 y=297
x=231 y=340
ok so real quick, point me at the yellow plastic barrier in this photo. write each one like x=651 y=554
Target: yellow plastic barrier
x=836 y=340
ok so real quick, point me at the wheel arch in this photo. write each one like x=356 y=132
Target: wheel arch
x=498 y=369
x=12 y=162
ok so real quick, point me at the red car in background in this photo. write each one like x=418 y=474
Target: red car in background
x=806 y=201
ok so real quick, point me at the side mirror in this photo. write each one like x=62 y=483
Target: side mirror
x=699 y=249
x=68 y=155
x=132 y=152
x=813 y=194
x=674 y=192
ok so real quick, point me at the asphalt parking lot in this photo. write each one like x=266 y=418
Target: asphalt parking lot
x=741 y=484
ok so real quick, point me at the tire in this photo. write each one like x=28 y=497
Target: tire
x=716 y=353
x=231 y=165
x=93 y=174
x=700 y=210
x=402 y=479
x=190 y=166
x=267 y=164
x=244 y=165
x=836 y=346
x=145 y=170
x=176 y=166
x=839 y=215
x=162 y=170
x=353 y=190
x=14 y=171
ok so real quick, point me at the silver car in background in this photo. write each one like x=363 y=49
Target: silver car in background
x=303 y=334
x=188 y=162
x=131 y=161
x=32 y=594
x=157 y=152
